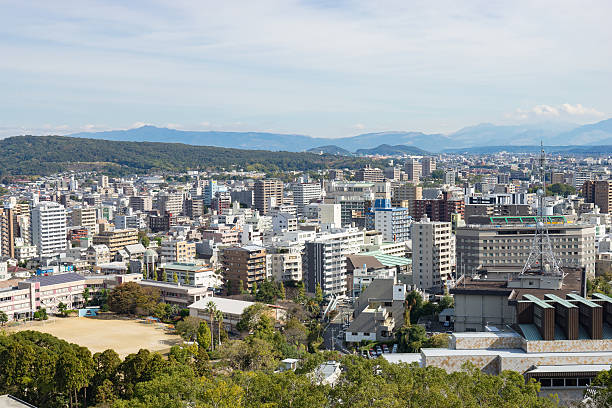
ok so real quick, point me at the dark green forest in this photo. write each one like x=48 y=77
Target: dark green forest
x=45 y=155
x=50 y=372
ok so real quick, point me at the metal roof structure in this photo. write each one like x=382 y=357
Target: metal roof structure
x=537 y=301
x=57 y=279
x=555 y=298
x=582 y=300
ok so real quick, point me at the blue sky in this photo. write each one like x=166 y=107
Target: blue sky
x=322 y=68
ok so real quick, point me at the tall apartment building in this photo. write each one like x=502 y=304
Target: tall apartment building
x=170 y=202
x=49 y=228
x=304 y=194
x=103 y=181
x=141 y=203
x=509 y=245
x=406 y=192
x=7 y=232
x=285 y=263
x=414 y=170
x=432 y=254
x=600 y=193
x=428 y=166
x=221 y=202
x=368 y=173
x=267 y=193
x=246 y=264
x=336 y=174
x=194 y=208
x=326 y=213
x=324 y=260
x=439 y=210
x=392 y=173
x=179 y=251
x=116 y=239
x=210 y=190
x=129 y=221
x=580 y=177
x=84 y=217
x=393 y=223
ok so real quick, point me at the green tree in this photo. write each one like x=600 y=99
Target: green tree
x=219 y=318
x=282 y=291
x=188 y=328
x=601 y=394
x=267 y=292
x=241 y=287
x=86 y=296
x=211 y=309
x=187 y=280
x=318 y=294
x=145 y=241
x=175 y=277
x=250 y=317
x=163 y=277
x=3 y=318
x=204 y=336
x=254 y=288
x=62 y=308
x=131 y=298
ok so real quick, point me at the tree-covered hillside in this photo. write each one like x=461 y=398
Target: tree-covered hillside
x=43 y=155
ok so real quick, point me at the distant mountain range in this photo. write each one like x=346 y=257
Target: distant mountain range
x=386 y=150
x=482 y=135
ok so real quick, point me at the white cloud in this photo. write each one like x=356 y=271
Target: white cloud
x=578 y=109
x=137 y=125
x=359 y=126
x=563 y=111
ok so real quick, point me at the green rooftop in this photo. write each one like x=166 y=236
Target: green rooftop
x=537 y=301
x=601 y=296
x=184 y=267
x=387 y=260
x=582 y=300
x=559 y=300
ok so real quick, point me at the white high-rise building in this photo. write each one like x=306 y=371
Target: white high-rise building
x=304 y=194
x=432 y=254
x=393 y=223
x=49 y=228
x=324 y=261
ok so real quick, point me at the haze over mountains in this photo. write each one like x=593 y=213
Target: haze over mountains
x=482 y=135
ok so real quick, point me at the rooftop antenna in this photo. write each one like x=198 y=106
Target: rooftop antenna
x=541 y=256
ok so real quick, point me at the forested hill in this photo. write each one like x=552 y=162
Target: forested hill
x=44 y=155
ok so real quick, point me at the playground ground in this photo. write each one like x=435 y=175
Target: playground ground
x=125 y=336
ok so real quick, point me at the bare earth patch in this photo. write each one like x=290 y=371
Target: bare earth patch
x=122 y=335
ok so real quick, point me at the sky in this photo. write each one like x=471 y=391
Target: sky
x=320 y=68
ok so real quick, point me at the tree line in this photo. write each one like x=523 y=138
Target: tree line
x=48 y=372
x=20 y=155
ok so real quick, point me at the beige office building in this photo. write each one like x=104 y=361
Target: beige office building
x=406 y=192
x=178 y=251
x=267 y=194
x=509 y=245
x=117 y=239
x=84 y=217
x=432 y=254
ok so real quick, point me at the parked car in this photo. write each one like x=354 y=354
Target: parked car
x=372 y=353
x=385 y=349
x=394 y=350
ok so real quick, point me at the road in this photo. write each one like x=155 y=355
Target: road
x=330 y=334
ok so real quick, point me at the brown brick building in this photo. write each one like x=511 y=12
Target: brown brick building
x=246 y=264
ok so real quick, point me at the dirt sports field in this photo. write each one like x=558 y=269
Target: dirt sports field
x=123 y=336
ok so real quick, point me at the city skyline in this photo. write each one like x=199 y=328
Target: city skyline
x=326 y=69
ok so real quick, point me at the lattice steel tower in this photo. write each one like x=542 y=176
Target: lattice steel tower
x=541 y=256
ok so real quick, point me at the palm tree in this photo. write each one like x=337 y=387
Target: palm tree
x=211 y=308
x=219 y=317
